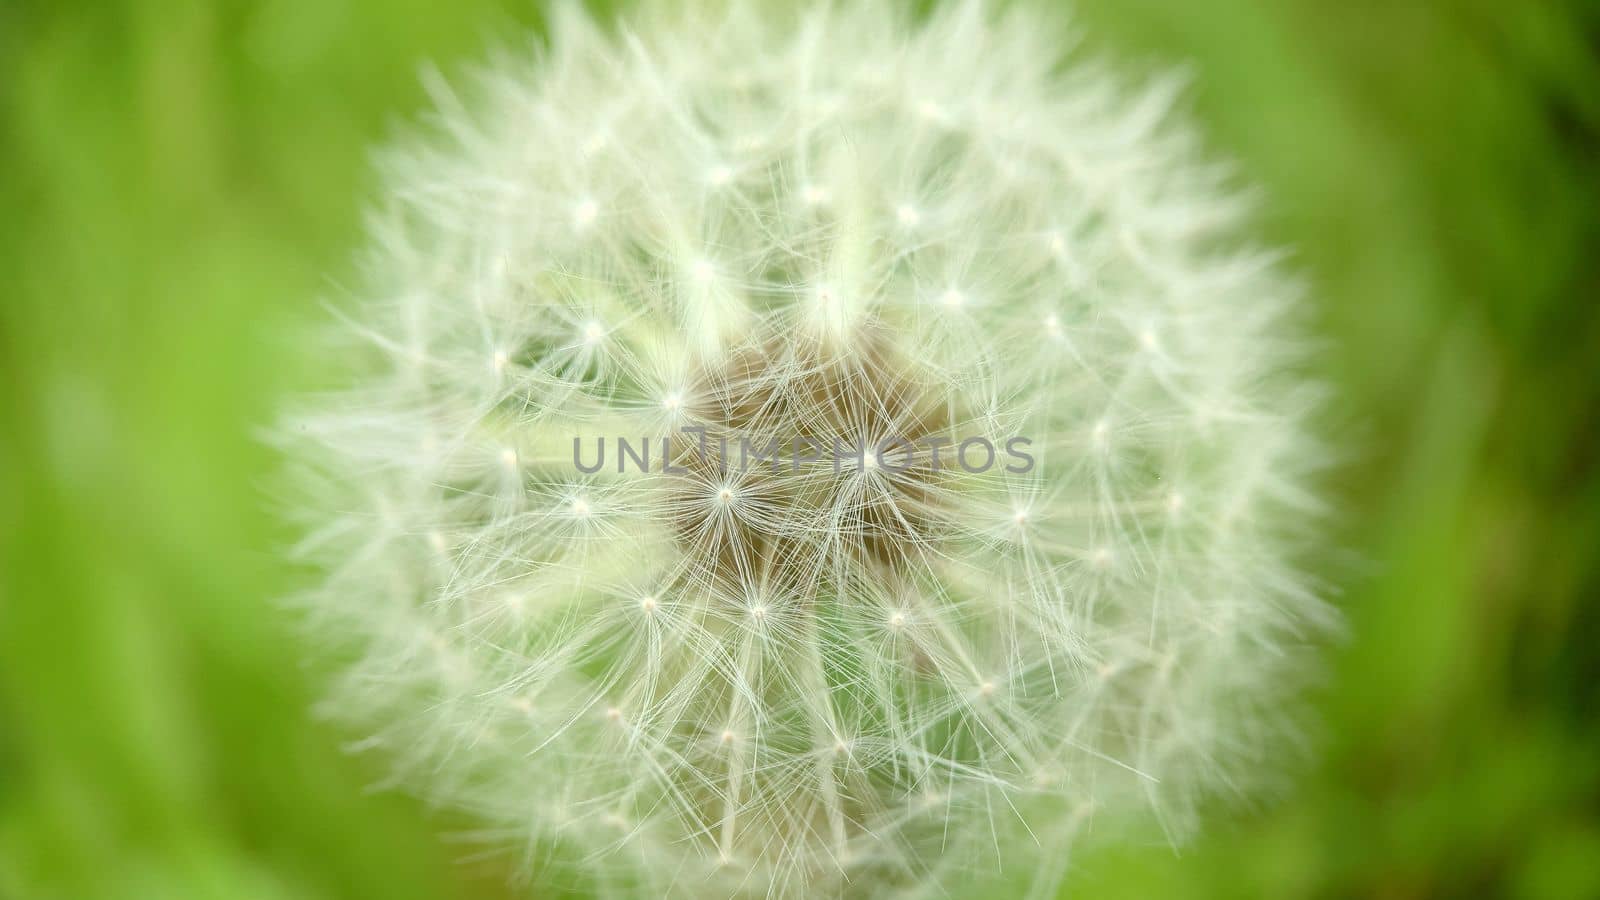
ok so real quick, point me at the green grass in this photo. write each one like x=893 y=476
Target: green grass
x=182 y=180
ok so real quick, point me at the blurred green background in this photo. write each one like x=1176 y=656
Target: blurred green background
x=180 y=181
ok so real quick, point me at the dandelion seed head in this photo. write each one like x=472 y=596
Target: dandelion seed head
x=876 y=233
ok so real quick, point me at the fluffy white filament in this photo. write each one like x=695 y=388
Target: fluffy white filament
x=841 y=223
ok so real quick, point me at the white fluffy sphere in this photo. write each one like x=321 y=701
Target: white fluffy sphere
x=848 y=675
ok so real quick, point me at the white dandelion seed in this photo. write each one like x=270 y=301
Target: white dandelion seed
x=867 y=680
x=586 y=212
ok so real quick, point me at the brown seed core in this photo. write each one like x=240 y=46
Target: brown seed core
x=754 y=524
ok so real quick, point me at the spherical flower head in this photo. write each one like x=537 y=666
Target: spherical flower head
x=813 y=455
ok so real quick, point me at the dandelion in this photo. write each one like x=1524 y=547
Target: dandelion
x=701 y=680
